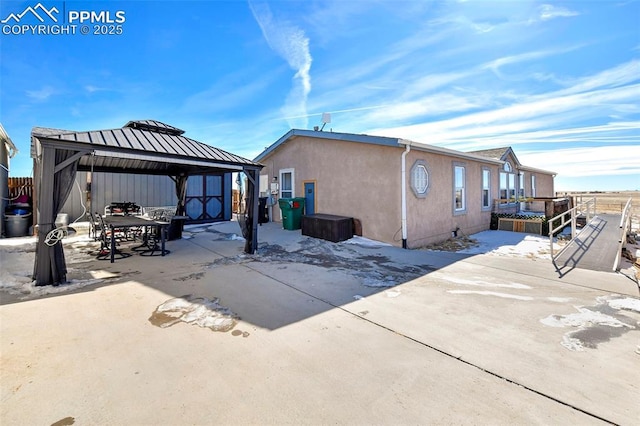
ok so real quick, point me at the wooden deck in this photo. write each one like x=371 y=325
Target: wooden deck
x=595 y=246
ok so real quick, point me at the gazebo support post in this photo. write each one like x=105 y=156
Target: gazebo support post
x=251 y=244
x=43 y=273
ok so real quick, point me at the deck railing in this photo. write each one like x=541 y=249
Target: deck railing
x=625 y=228
x=588 y=208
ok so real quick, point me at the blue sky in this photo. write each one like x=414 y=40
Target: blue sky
x=557 y=81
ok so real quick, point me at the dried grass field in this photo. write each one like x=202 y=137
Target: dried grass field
x=609 y=202
x=612 y=202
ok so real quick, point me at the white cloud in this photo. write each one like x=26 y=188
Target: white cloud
x=548 y=11
x=523 y=116
x=228 y=93
x=619 y=75
x=91 y=89
x=42 y=94
x=590 y=98
x=583 y=162
x=496 y=64
x=291 y=43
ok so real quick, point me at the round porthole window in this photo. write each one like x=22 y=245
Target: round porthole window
x=420 y=178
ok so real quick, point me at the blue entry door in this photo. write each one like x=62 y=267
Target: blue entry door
x=310 y=197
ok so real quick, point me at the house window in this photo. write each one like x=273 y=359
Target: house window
x=521 y=185
x=420 y=179
x=486 y=188
x=286 y=183
x=459 y=204
x=504 y=186
x=507 y=184
x=512 y=186
x=533 y=185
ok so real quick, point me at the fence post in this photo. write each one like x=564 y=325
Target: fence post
x=573 y=223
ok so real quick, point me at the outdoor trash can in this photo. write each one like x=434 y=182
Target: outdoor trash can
x=263 y=213
x=291 y=209
x=17 y=225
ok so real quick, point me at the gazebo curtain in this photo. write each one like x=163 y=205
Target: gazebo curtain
x=50 y=266
x=250 y=231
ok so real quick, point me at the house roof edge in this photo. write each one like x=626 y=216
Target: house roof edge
x=347 y=137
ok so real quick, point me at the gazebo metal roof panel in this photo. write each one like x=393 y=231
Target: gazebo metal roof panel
x=148 y=143
x=154 y=125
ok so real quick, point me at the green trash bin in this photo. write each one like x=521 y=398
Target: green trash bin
x=291 y=209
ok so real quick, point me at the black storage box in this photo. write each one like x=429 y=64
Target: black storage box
x=327 y=227
x=175 y=228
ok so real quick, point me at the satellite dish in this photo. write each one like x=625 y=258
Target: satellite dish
x=326 y=118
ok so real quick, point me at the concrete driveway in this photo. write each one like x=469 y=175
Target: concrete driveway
x=314 y=333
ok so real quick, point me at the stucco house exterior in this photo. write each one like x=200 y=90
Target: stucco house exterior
x=402 y=192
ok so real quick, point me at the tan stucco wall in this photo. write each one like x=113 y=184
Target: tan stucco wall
x=432 y=218
x=363 y=181
x=351 y=179
x=544 y=185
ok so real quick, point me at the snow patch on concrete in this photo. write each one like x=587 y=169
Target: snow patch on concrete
x=596 y=324
x=491 y=293
x=365 y=242
x=560 y=299
x=196 y=311
x=583 y=318
x=626 y=303
x=476 y=281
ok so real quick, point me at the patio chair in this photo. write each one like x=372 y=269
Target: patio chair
x=105 y=241
x=151 y=240
x=244 y=226
x=94 y=227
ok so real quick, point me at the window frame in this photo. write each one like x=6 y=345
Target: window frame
x=418 y=165
x=281 y=174
x=463 y=195
x=533 y=185
x=485 y=186
x=507 y=185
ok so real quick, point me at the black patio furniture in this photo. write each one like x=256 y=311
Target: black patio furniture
x=108 y=236
x=155 y=232
x=123 y=208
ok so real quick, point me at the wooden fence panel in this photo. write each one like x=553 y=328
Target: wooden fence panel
x=20 y=186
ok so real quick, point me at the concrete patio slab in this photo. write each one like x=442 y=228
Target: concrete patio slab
x=328 y=333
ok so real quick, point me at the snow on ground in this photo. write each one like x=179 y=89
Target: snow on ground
x=365 y=242
x=591 y=325
x=192 y=310
x=505 y=243
x=17 y=256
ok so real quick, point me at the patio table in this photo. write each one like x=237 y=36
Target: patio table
x=123 y=222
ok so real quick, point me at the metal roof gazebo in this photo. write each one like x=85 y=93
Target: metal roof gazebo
x=143 y=147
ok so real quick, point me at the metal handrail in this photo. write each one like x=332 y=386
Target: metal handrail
x=625 y=227
x=589 y=204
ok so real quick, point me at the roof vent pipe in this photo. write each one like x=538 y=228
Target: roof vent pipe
x=407 y=145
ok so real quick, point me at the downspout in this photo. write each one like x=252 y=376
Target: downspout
x=407 y=145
